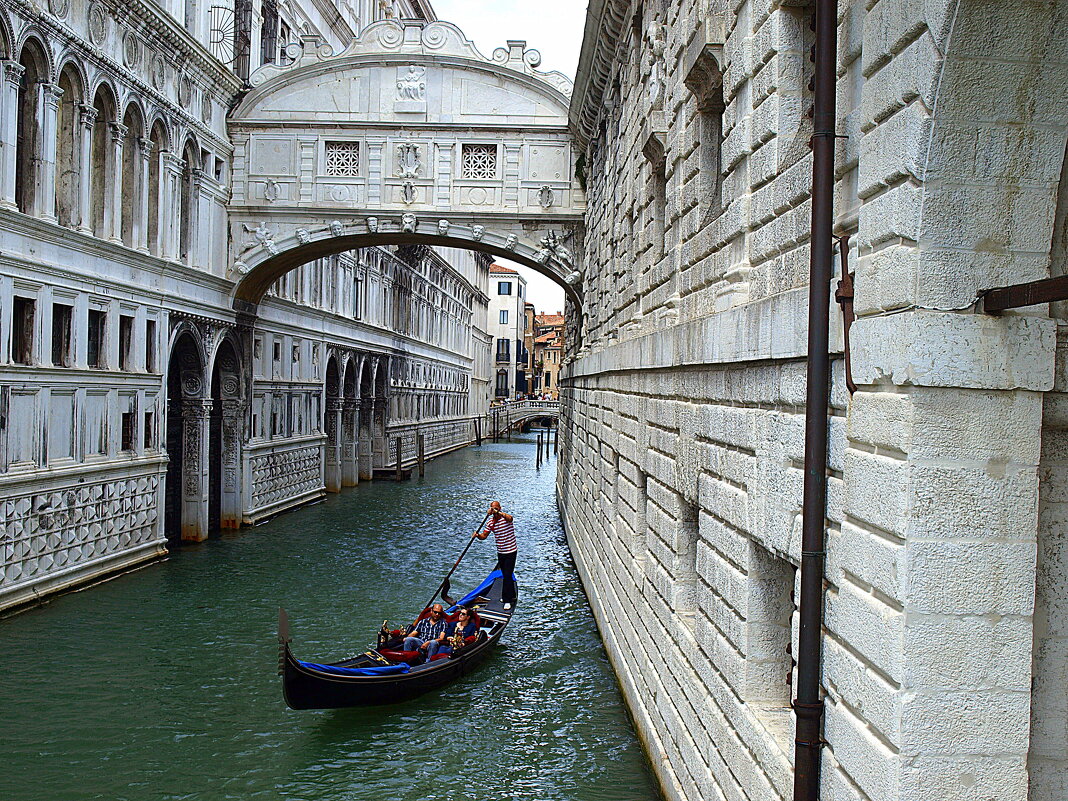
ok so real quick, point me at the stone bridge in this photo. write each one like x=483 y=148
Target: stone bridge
x=515 y=414
x=408 y=136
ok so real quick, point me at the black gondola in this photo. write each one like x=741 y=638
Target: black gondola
x=384 y=675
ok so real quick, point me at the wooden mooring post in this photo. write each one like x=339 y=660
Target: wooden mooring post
x=538 y=457
x=398 y=442
x=478 y=431
x=420 y=452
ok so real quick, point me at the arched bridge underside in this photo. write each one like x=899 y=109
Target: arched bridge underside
x=409 y=136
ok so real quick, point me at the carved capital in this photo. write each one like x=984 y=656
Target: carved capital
x=51 y=93
x=118 y=132
x=147 y=146
x=14 y=71
x=88 y=115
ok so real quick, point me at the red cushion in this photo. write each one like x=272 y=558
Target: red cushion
x=436 y=657
x=411 y=657
x=471 y=639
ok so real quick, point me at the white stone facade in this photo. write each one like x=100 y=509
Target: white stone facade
x=946 y=606
x=135 y=404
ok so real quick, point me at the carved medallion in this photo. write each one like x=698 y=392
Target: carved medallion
x=185 y=90
x=207 y=109
x=339 y=193
x=157 y=72
x=59 y=8
x=131 y=50
x=98 y=24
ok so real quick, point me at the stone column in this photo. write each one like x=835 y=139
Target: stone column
x=45 y=193
x=113 y=187
x=333 y=444
x=350 y=427
x=196 y=240
x=171 y=170
x=13 y=72
x=87 y=116
x=364 y=452
x=196 y=427
x=233 y=417
x=379 y=445
x=140 y=229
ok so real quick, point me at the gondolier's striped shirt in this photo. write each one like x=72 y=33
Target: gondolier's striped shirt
x=504 y=534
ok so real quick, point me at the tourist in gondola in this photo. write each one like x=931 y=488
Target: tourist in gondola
x=501 y=524
x=427 y=630
x=465 y=626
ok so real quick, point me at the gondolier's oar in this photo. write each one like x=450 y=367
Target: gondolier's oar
x=443 y=588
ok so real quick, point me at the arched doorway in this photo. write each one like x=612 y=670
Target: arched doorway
x=350 y=412
x=225 y=438
x=185 y=512
x=69 y=148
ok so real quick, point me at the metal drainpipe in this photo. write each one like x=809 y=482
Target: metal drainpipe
x=808 y=706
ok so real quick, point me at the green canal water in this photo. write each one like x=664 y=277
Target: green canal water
x=162 y=683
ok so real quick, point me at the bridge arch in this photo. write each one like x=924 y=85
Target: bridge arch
x=408 y=136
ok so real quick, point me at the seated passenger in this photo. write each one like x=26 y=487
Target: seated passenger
x=464 y=627
x=427 y=630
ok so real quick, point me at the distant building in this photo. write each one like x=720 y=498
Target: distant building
x=507 y=322
x=548 y=338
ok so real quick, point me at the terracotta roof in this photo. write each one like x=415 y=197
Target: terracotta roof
x=549 y=337
x=549 y=319
x=497 y=268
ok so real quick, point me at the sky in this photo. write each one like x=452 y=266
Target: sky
x=552 y=27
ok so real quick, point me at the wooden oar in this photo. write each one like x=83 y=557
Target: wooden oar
x=443 y=588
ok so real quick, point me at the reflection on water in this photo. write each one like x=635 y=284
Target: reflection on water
x=162 y=684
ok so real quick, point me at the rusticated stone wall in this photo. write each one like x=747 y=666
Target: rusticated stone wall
x=681 y=474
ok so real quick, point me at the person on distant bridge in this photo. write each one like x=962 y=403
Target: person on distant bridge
x=501 y=524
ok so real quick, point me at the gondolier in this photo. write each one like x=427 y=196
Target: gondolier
x=502 y=526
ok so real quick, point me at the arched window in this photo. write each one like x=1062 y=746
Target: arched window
x=132 y=191
x=152 y=191
x=191 y=154
x=104 y=103
x=28 y=144
x=68 y=148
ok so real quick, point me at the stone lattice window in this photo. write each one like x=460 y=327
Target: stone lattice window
x=479 y=161
x=343 y=159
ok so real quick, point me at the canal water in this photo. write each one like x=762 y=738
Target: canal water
x=162 y=683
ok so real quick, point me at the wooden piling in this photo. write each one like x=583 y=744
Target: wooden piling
x=398 y=442
x=538 y=458
x=420 y=446
x=478 y=431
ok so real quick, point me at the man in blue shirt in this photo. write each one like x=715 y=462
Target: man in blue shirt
x=428 y=629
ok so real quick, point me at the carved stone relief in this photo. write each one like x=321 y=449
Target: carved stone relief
x=409 y=164
x=157 y=72
x=131 y=50
x=408 y=223
x=59 y=8
x=411 y=83
x=98 y=24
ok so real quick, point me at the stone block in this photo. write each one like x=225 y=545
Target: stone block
x=976 y=723
x=990 y=503
x=986 y=652
x=996 y=426
x=938 y=349
x=877 y=490
x=949 y=777
x=970 y=578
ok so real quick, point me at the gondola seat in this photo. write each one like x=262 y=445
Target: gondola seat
x=412 y=658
